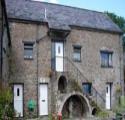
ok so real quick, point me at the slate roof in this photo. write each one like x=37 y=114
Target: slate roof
x=59 y=16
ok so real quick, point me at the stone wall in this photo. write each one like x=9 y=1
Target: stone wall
x=4 y=51
x=0 y=34
x=28 y=72
x=92 y=43
x=31 y=73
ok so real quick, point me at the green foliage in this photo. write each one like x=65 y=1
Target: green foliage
x=99 y=112
x=94 y=105
x=120 y=108
x=120 y=21
x=103 y=114
x=6 y=108
x=50 y=117
x=75 y=86
x=118 y=89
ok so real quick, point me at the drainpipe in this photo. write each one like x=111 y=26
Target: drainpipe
x=121 y=65
x=37 y=74
x=37 y=78
x=1 y=54
x=123 y=49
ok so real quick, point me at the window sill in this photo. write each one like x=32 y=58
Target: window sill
x=28 y=58
x=77 y=61
x=88 y=94
x=106 y=66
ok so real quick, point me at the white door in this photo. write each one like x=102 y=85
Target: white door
x=18 y=100
x=59 y=56
x=108 y=96
x=43 y=100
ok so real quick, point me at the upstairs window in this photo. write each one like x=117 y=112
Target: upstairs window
x=77 y=53
x=106 y=59
x=28 y=50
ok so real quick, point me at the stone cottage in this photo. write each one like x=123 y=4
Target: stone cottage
x=63 y=59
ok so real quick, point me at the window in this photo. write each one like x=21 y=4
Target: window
x=28 y=50
x=18 y=91
x=77 y=53
x=62 y=84
x=87 y=88
x=106 y=59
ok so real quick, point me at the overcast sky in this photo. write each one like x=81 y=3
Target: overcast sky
x=115 y=6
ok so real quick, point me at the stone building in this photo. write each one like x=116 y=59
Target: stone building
x=4 y=44
x=63 y=59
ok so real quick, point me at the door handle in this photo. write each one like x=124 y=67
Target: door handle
x=43 y=100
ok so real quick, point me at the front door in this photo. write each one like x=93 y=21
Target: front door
x=108 y=96
x=43 y=101
x=18 y=100
x=59 y=56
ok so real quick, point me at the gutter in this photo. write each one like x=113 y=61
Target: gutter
x=70 y=26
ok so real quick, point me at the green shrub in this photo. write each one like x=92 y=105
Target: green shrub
x=75 y=86
x=50 y=117
x=6 y=107
x=103 y=114
x=120 y=108
x=99 y=112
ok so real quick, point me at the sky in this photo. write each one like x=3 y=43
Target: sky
x=114 y=6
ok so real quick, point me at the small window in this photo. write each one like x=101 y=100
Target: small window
x=87 y=88
x=62 y=84
x=18 y=92
x=28 y=51
x=77 y=53
x=106 y=59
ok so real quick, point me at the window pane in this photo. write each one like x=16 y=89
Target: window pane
x=110 y=59
x=87 y=88
x=53 y=56
x=28 y=51
x=28 y=46
x=106 y=59
x=77 y=54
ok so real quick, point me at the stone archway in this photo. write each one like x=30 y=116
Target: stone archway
x=75 y=105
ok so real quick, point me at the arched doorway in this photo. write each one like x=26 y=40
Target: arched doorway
x=75 y=106
x=62 y=84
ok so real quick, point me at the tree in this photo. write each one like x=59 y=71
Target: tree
x=120 y=21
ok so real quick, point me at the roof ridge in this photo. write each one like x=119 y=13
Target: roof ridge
x=68 y=6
